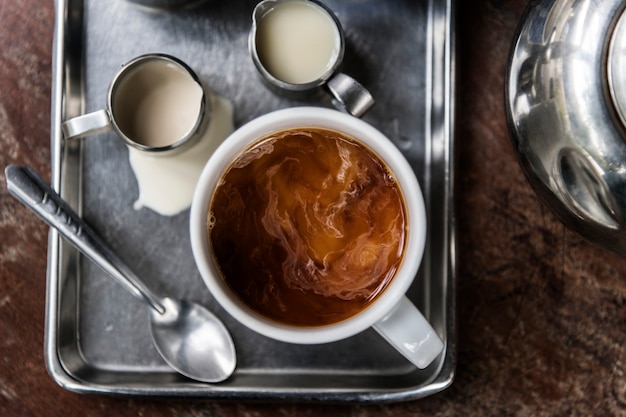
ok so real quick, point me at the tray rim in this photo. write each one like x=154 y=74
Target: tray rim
x=58 y=250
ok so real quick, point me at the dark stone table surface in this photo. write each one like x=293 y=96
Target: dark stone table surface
x=541 y=311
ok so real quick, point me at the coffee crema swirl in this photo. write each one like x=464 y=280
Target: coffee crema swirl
x=307 y=227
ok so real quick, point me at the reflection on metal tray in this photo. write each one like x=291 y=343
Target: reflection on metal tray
x=97 y=336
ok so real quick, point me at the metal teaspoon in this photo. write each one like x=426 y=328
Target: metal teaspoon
x=191 y=339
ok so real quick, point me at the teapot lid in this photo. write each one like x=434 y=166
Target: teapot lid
x=566 y=108
x=616 y=67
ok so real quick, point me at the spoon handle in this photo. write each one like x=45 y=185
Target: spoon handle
x=29 y=188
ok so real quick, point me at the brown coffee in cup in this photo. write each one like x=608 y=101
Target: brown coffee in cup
x=307 y=226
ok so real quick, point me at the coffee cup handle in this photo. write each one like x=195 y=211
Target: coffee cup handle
x=349 y=94
x=406 y=329
x=87 y=124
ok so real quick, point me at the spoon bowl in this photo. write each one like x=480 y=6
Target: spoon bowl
x=190 y=338
x=201 y=329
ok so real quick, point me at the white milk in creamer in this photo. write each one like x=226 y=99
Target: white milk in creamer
x=297 y=42
x=166 y=184
x=157 y=104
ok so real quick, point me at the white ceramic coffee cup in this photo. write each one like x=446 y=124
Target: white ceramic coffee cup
x=392 y=314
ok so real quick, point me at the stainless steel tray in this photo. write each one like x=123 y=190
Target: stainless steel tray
x=97 y=336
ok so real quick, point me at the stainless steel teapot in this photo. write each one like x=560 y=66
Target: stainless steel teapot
x=566 y=108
